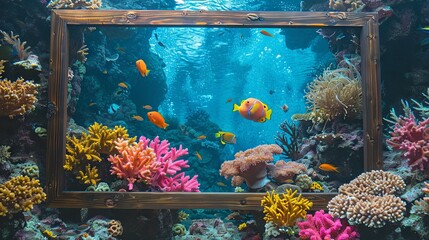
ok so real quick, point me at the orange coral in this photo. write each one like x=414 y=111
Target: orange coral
x=17 y=98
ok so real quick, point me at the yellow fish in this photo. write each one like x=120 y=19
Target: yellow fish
x=138 y=118
x=198 y=155
x=226 y=137
x=221 y=184
x=123 y=85
x=141 y=66
x=328 y=167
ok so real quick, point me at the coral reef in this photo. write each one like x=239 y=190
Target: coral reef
x=322 y=226
x=283 y=171
x=91 y=4
x=346 y=5
x=84 y=151
x=250 y=166
x=284 y=209
x=17 y=97
x=369 y=200
x=426 y=190
x=20 y=194
x=15 y=42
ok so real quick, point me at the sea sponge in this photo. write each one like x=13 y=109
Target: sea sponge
x=17 y=98
x=284 y=209
x=20 y=194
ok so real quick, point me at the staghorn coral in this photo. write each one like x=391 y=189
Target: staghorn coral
x=89 y=4
x=322 y=226
x=335 y=94
x=20 y=194
x=88 y=150
x=23 y=52
x=369 y=200
x=284 y=209
x=250 y=166
x=346 y=5
x=17 y=98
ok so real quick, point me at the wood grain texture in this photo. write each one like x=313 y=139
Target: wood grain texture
x=61 y=19
x=212 y=18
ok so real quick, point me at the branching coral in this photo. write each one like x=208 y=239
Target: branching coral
x=23 y=52
x=2 y=66
x=323 y=226
x=90 y=4
x=334 y=95
x=17 y=98
x=284 y=209
x=83 y=152
x=250 y=166
x=20 y=194
x=369 y=200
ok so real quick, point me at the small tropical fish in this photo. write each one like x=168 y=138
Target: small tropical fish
x=198 y=155
x=113 y=108
x=266 y=33
x=285 y=107
x=147 y=107
x=123 y=85
x=328 y=167
x=161 y=44
x=425 y=29
x=221 y=184
x=201 y=137
x=105 y=72
x=271 y=92
x=253 y=109
x=228 y=100
x=120 y=92
x=92 y=104
x=137 y=117
x=141 y=66
x=157 y=119
x=226 y=137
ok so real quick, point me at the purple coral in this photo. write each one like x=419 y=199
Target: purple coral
x=322 y=226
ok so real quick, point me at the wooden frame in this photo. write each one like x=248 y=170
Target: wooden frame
x=61 y=19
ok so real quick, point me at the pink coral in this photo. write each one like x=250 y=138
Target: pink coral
x=322 y=226
x=250 y=166
x=413 y=140
x=154 y=162
x=283 y=171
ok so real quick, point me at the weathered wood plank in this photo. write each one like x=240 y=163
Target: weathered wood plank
x=213 y=18
x=159 y=200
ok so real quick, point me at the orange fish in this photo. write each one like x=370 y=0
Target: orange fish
x=253 y=109
x=228 y=100
x=141 y=66
x=201 y=137
x=328 y=167
x=157 y=119
x=147 y=107
x=123 y=85
x=266 y=33
x=198 y=156
x=138 y=118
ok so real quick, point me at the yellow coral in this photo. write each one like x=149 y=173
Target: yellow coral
x=17 y=98
x=20 y=194
x=89 y=177
x=88 y=148
x=2 y=66
x=182 y=216
x=242 y=226
x=284 y=209
x=316 y=186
